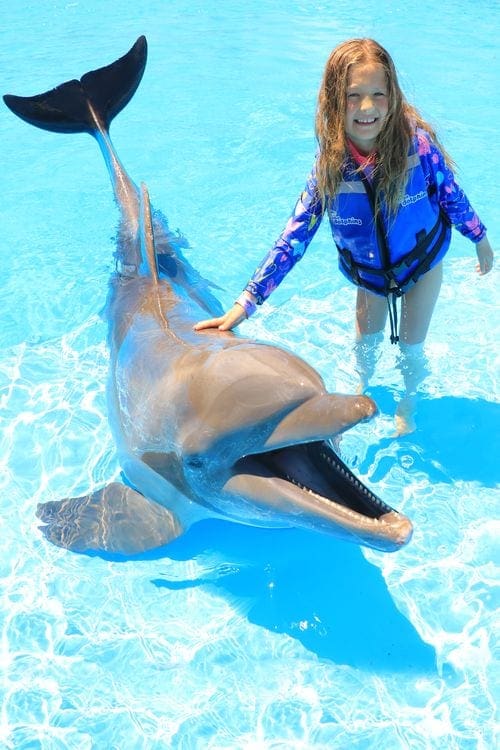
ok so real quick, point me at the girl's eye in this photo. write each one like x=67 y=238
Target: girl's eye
x=354 y=95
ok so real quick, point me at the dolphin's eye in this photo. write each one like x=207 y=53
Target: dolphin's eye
x=194 y=462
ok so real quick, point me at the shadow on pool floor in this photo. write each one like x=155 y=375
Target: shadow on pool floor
x=316 y=589
x=457 y=439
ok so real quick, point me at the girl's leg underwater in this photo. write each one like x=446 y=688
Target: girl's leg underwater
x=417 y=307
x=371 y=315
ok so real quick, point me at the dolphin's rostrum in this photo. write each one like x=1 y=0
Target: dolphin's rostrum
x=207 y=424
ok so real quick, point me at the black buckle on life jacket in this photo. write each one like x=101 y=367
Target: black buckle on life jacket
x=421 y=254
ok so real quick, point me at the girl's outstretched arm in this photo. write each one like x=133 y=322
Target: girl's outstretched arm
x=281 y=258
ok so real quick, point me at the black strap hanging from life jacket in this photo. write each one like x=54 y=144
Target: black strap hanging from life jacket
x=393 y=315
x=393 y=292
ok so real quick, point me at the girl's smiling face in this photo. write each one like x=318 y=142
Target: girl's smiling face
x=367 y=105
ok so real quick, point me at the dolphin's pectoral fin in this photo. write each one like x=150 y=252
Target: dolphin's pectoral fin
x=113 y=519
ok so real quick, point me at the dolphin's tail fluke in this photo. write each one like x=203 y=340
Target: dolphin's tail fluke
x=87 y=105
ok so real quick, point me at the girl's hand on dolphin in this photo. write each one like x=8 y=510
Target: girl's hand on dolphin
x=244 y=306
x=226 y=322
x=485 y=256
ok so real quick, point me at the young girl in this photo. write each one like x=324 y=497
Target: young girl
x=387 y=186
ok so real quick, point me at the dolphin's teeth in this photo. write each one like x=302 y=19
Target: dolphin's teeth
x=296 y=483
x=337 y=484
x=353 y=480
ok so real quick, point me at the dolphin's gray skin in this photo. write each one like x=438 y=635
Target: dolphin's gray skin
x=207 y=424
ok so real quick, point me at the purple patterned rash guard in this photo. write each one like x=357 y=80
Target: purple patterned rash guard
x=442 y=192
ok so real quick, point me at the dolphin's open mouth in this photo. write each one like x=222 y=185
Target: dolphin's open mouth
x=310 y=480
x=317 y=469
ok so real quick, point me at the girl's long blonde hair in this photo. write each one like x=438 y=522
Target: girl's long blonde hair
x=394 y=140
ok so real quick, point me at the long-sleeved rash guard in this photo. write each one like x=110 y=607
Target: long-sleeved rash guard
x=443 y=192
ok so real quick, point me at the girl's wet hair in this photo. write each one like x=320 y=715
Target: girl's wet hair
x=395 y=137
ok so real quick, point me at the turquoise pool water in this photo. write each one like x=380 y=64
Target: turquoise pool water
x=238 y=638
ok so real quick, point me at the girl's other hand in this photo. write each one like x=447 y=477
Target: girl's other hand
x=485 y=256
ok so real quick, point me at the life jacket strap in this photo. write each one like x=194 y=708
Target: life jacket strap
x=393 y=315
x=389 y=276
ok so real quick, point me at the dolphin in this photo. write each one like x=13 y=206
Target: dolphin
x=207 y=424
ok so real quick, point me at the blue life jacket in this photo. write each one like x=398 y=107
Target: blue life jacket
x=387 y=255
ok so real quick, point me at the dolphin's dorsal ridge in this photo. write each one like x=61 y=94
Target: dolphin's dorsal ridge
x=146 y=233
